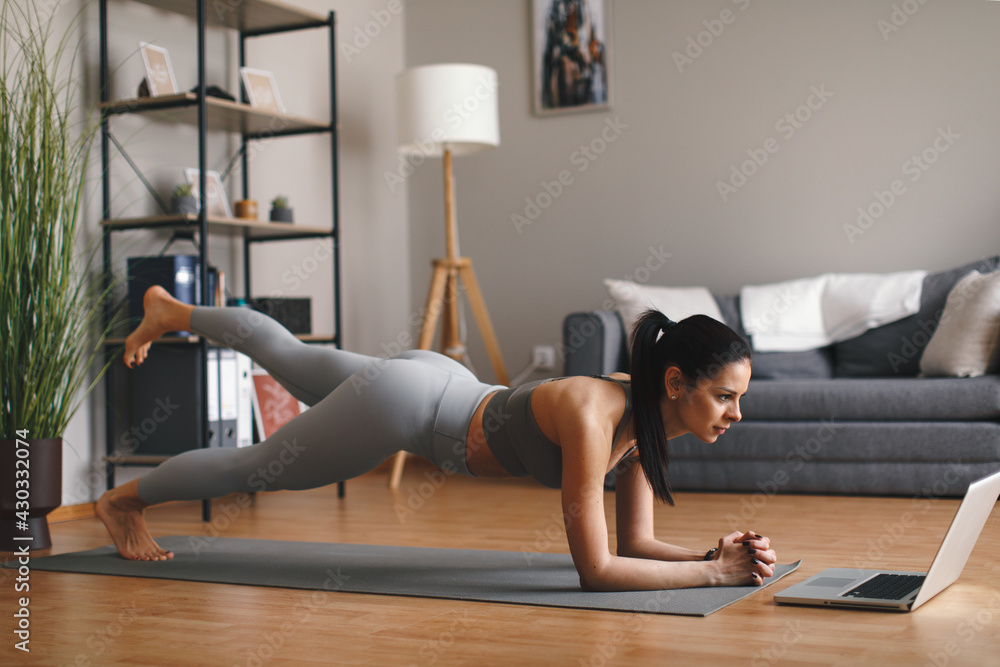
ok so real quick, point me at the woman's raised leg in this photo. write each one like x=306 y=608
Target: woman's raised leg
x=360 y=418
x=309 y=372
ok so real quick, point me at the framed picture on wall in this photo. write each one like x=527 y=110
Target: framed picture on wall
x=571 y=55
x=218 y=203
x=262 y=90
x=159 y=72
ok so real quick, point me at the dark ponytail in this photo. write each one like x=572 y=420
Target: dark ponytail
x=701 y=347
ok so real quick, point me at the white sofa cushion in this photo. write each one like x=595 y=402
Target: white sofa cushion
x=632 y=299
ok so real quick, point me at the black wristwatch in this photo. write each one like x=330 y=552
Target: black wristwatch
x=710 y=554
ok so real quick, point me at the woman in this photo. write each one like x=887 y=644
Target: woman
x=688 y=378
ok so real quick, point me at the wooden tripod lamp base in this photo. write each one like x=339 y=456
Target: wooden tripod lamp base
x=443 y=299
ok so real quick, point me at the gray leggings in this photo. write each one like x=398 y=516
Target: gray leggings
x=362 y=411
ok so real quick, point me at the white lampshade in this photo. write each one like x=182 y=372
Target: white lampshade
x=451 y=105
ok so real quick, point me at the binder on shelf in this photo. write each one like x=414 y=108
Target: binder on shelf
x=230 y=396
x=213 y=398
x=244 y=419
x=223 y=397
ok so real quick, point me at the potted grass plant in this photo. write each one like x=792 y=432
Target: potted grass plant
x=53 y=310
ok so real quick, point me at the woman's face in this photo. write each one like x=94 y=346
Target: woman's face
x=708 y=408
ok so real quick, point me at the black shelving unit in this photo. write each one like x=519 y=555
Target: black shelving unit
x=251 y=19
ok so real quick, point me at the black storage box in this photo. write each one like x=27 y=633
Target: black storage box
x=294 y=314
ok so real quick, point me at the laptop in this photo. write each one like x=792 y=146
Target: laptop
x=903 y=591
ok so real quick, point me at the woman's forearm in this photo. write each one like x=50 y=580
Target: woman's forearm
x=741 y=559
x=620 y=573
x=656 y=550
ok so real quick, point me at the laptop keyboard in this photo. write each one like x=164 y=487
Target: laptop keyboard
x=887 y=586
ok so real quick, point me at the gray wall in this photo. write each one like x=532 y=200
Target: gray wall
x=681 y=132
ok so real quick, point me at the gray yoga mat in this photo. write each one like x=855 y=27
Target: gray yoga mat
x=461 y=574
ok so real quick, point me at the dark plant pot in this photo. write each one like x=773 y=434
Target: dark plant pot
x=43 y=467
x=185 y=205
x=282 y=215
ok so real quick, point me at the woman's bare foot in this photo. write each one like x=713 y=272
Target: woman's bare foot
x=163 y=313
x=122 y=511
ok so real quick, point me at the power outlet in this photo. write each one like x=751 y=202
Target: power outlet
x=544 y=357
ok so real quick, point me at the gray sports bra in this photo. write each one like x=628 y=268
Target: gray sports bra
x=520 y=446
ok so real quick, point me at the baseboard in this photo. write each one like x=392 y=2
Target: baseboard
x=89 y=511
x=72 y=513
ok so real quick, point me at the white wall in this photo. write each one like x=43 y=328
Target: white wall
x=682 y=131
x=374 y=234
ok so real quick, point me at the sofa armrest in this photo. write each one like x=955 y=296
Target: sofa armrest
x=594 y=343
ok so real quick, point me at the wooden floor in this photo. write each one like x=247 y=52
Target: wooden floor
x=97 y=620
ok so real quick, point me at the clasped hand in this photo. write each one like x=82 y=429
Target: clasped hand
x=745 y=559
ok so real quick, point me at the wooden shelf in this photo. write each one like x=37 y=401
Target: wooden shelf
x=186 y=340
x=223 y=115
x=135 y=459
x=232 y=226
x=159 y=341
x=242 y=15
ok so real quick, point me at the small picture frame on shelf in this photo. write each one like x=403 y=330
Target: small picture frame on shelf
x=159 y=73
x=262 y=90
x=218 y=203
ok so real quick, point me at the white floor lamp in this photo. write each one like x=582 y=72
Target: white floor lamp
x=444 y=111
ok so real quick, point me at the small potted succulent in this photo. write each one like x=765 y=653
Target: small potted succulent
x=183 y=200
x=280 y=210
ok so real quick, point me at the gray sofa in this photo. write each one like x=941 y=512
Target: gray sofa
x=853 y=418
